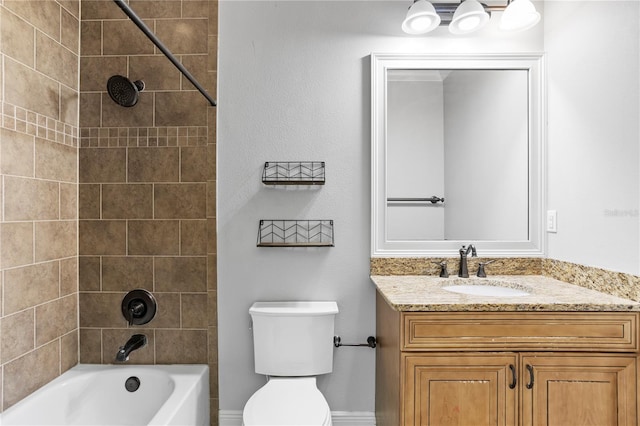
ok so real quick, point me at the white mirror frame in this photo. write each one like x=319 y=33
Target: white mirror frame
x=535 y=245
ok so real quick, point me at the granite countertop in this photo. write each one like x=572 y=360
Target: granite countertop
x=415 y=293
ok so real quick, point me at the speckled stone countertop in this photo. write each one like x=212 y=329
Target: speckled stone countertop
x=425 y=293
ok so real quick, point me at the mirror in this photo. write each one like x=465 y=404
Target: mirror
x=456 y=155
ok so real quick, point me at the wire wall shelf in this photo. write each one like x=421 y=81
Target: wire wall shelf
x=295 y=233
x=293 y=173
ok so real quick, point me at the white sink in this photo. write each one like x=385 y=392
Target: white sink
x=486 y=288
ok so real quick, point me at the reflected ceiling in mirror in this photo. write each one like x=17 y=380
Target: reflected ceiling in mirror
x=456 y=153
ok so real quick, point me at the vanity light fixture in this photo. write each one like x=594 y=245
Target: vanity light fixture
x=519 y=15
x=421 y=18
x=468 y=16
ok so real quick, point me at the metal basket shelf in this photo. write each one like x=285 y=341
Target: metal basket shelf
x=295 y=233
x=293 y=173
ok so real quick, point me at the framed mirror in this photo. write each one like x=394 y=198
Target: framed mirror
x=457 y=155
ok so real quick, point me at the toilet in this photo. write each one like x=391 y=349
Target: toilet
x=292 y=344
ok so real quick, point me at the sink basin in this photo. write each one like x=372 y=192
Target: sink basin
x=486 y=288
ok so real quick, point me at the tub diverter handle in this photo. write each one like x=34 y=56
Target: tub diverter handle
x=139 y=307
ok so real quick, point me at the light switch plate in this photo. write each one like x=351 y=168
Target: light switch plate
x=552 y=221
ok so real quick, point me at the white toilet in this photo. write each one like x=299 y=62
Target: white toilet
x=293 y=343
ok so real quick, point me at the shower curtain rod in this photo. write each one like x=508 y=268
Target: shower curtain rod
x=143 y=27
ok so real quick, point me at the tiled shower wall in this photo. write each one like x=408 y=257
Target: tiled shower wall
x=39 y=53
x=147 y=183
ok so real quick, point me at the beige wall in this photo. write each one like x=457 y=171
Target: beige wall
x=39 y=49
x=147 y=183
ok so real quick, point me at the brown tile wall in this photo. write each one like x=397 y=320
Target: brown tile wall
x=147 y=183
x=39 y=57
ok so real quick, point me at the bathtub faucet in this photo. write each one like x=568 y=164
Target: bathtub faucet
x=136 y=341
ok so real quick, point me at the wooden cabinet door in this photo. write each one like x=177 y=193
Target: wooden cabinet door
x=459 y=389
x=589 y=390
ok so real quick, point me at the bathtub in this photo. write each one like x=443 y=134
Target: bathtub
x=96 y=395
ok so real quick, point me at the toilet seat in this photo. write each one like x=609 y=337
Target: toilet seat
x=294 y=401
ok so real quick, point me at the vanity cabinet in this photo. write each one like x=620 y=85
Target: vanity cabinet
x=458 y=389
x=506 y=368
x=597 y=389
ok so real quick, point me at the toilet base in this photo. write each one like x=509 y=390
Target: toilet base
x=287 y=401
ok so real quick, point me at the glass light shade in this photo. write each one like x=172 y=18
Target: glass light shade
x=519 y=15
x=421 y=18
x=470 y=16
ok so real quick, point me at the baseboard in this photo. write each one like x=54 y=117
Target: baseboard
x=339 y=418
x=353 y=418
x=230 y=418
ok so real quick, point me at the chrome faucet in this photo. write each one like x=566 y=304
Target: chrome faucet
x=136 y=341
x=463 y=271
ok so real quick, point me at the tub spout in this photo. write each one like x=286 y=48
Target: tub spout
x=136 y=341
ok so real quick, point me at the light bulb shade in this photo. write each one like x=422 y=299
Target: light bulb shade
x=519 y=15
x=421 y=18
x=470 y=16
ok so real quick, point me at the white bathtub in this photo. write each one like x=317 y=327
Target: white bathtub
x=96 y=395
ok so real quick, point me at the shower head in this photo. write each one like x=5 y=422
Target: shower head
x=123 y=91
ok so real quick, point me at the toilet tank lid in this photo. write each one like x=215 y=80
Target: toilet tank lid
x=294 y=308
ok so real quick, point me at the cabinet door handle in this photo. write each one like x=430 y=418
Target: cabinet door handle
x=514 y=377
x=530 y=370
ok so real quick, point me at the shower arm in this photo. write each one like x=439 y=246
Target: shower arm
x=151 y=36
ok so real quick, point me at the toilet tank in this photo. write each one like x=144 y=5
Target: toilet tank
x=293 y=338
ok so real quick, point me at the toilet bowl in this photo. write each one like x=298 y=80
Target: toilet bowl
x=294 y=401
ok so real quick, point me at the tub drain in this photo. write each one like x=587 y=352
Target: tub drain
x=132 y=384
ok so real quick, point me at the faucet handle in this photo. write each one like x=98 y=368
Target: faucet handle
x=481 y=272
x=444 y=273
